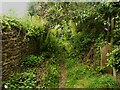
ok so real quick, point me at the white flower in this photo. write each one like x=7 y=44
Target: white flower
x=5 y=86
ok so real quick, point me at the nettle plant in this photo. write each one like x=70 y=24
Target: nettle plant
x=8 y=22
x=114 y=55
x=115 y=58
x=34 y=25
x=22 y=80
x=32 y=60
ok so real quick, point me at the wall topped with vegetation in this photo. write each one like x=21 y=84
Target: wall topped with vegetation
x=15 y=44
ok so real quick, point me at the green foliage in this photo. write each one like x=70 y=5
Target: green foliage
x=100 y=69
x=32 y=60
x=105 y=81
x=82 y=75
x=34 y=25
x=9 y=22
x=77 y=72
x=116 y=33
x=114 y=55
x=82 y=41
x=25 y=80
x=66 y=19
x=57 y=12
x=66 y=30
x=51 y=43
x=114 y=58
x=108 y=8
x=51 y=78
x=29 y=78
x=99 y=43
x=31 y=8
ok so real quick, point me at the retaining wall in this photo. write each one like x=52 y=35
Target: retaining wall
x=14 y=46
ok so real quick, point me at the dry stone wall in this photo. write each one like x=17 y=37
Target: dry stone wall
x=14 y=45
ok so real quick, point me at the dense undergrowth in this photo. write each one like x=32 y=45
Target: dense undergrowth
x=83 y=76
x=47 y=75
x=72 y=37
x=42 y=75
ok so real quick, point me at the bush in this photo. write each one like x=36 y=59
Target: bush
x=100 y=69
x=10 y=22
x=21 y=80
x=32 y=60
x=115 y=58
x=81 y=42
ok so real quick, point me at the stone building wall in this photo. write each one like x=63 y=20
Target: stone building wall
x=14 y=45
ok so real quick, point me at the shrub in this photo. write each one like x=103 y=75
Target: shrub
x=32 y=60
x=114 y=58
x=21 y=80
x=10 y=22
x=81 y=42
x=100 y=69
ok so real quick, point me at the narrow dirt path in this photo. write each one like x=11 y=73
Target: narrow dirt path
x=63 y=76
x=40 y=72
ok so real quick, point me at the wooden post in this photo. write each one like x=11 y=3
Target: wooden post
x=112 y=27
x=108 y=33
x=111 y=41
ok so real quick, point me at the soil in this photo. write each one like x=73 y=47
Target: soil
x=63 y=76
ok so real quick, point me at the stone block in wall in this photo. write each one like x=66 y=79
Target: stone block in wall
x=104 y=50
